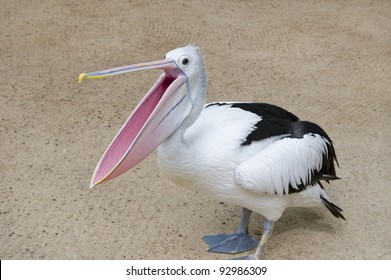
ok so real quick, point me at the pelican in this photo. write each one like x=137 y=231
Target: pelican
x=254 y=155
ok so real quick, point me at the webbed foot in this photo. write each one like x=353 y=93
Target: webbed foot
x=230 y=243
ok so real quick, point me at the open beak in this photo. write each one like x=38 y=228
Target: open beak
x=156 y=117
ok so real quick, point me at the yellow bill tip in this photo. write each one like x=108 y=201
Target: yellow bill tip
x=94 y=184
x=81 y=77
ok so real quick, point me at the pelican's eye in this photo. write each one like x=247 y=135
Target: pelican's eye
x=184 y=61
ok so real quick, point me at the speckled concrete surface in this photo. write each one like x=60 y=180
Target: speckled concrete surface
x=326 y=61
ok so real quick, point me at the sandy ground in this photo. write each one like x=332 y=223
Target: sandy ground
x=326 y=61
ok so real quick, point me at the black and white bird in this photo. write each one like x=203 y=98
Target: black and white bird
x=255 y=155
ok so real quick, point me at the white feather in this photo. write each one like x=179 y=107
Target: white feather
x=286 y=161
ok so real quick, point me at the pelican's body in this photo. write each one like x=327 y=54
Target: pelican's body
x=254 y=155
x=206 y=157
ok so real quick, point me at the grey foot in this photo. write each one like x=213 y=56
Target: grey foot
x=259 y=252
x=230 y=243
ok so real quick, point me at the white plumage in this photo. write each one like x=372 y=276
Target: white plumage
x=283 y=162
x=208 y=157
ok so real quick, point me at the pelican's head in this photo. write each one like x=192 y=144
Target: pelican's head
x=159 y=114
x=190 y=61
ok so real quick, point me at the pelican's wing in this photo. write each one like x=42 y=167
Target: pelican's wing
x=288 y=165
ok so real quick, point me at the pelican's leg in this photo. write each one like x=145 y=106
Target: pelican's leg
x=235 y=242
x=267 y=232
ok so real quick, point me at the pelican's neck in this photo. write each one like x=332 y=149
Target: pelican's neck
x=195 y=112
x=173 y=153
